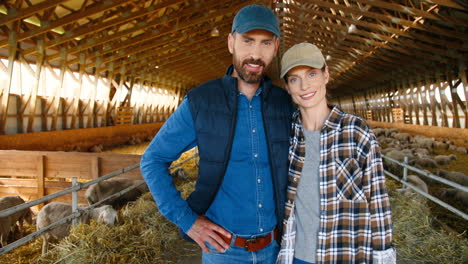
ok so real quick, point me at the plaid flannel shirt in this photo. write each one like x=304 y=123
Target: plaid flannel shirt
x=355 y=217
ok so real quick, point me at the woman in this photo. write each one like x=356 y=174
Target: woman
x=337 y=209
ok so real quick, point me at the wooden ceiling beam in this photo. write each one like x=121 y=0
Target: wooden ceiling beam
x=89 y=43
x=14 y=14
x=412 y=11
x=48 y=26
x=150 y=56
x=135 y=49
x=389 y=19
x=449 y=3
x=388 y=29
x=197 y=53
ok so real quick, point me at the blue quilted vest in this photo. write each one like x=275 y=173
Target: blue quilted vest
x=214 y=110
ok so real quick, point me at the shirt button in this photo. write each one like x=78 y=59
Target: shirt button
x=261 y=229
x=253 y=130
x=255 y=155
x=250 y=106
x=260 y=205
x=259 y=181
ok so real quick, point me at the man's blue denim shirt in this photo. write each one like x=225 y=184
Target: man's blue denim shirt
x=244 y=204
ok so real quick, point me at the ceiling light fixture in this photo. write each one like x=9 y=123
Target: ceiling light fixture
x=214 y=32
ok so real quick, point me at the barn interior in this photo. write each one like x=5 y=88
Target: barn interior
x=79 y=78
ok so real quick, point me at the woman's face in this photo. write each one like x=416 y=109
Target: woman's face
x=307 y=86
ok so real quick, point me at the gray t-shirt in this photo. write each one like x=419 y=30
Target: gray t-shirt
x=308 y=200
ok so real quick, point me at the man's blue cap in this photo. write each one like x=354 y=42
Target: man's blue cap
x=255 y=17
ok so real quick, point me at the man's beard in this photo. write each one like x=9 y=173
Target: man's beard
x=246 y=76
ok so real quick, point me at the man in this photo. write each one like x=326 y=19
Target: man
x=241 y=125
x=338 y=209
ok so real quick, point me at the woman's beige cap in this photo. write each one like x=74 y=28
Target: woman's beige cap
x=302 y=54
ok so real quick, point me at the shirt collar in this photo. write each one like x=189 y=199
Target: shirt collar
x=265 y=83
x=332 y=122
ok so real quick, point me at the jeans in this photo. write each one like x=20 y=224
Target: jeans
x=298 y=261
x=238 y=255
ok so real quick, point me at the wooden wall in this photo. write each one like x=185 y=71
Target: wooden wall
x=33 y=174
x=439 y=100
x=71 y=139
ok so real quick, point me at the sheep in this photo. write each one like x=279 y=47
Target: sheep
x=387 y=150
x=417 y=182
x=378 y=132
x=444 y=160
x=452 y=147
x=423 y=162
x=390 y=132
x=180 y=173
x=421 y=152
x=454 y=176
x=55 y=211
x=403 y=137
x=461 y=150
x=424 y=142
x=8 y=222
x=440 y=145
x=96 y=148
x=134 y=140
x=455 y=193
x=99 y=191
x=397 y=155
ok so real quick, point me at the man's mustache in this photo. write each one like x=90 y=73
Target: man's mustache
x=256 y=62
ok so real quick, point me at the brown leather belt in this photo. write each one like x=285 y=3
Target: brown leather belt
x=253 y=244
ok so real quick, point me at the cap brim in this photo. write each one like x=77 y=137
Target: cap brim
x=302 y=62
x=247 y=28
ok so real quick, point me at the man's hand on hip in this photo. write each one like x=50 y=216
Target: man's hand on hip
x=203 y=230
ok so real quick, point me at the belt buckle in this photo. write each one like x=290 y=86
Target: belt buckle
x=248 y=242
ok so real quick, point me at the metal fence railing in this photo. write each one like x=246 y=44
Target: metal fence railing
x=407 y=167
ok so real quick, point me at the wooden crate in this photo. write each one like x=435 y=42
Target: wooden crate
x=398 y=115
x=369 y=115
x=124 y=115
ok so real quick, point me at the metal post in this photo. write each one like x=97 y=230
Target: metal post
x=74 y=200
x=405 y=171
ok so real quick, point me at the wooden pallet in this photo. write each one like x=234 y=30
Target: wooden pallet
x=124 y=115
x=369 y=114
x=398 y=115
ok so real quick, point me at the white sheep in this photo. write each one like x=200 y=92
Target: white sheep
x=454 y=176
x=441 y=145
x=461 y=150
x=403 y=137
x=445 y=160
x=455 y=193
x=99 y=191
x=424 y=142
x=180 y=173
x=56 y=211
x=424 y=162
x=417 y=182
x=8 y=222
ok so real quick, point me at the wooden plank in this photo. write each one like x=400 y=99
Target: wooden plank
x=35 y=88
x=94 y=168
x=6 y=90
x=40 y=164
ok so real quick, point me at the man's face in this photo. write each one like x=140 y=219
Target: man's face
x=252 y=53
